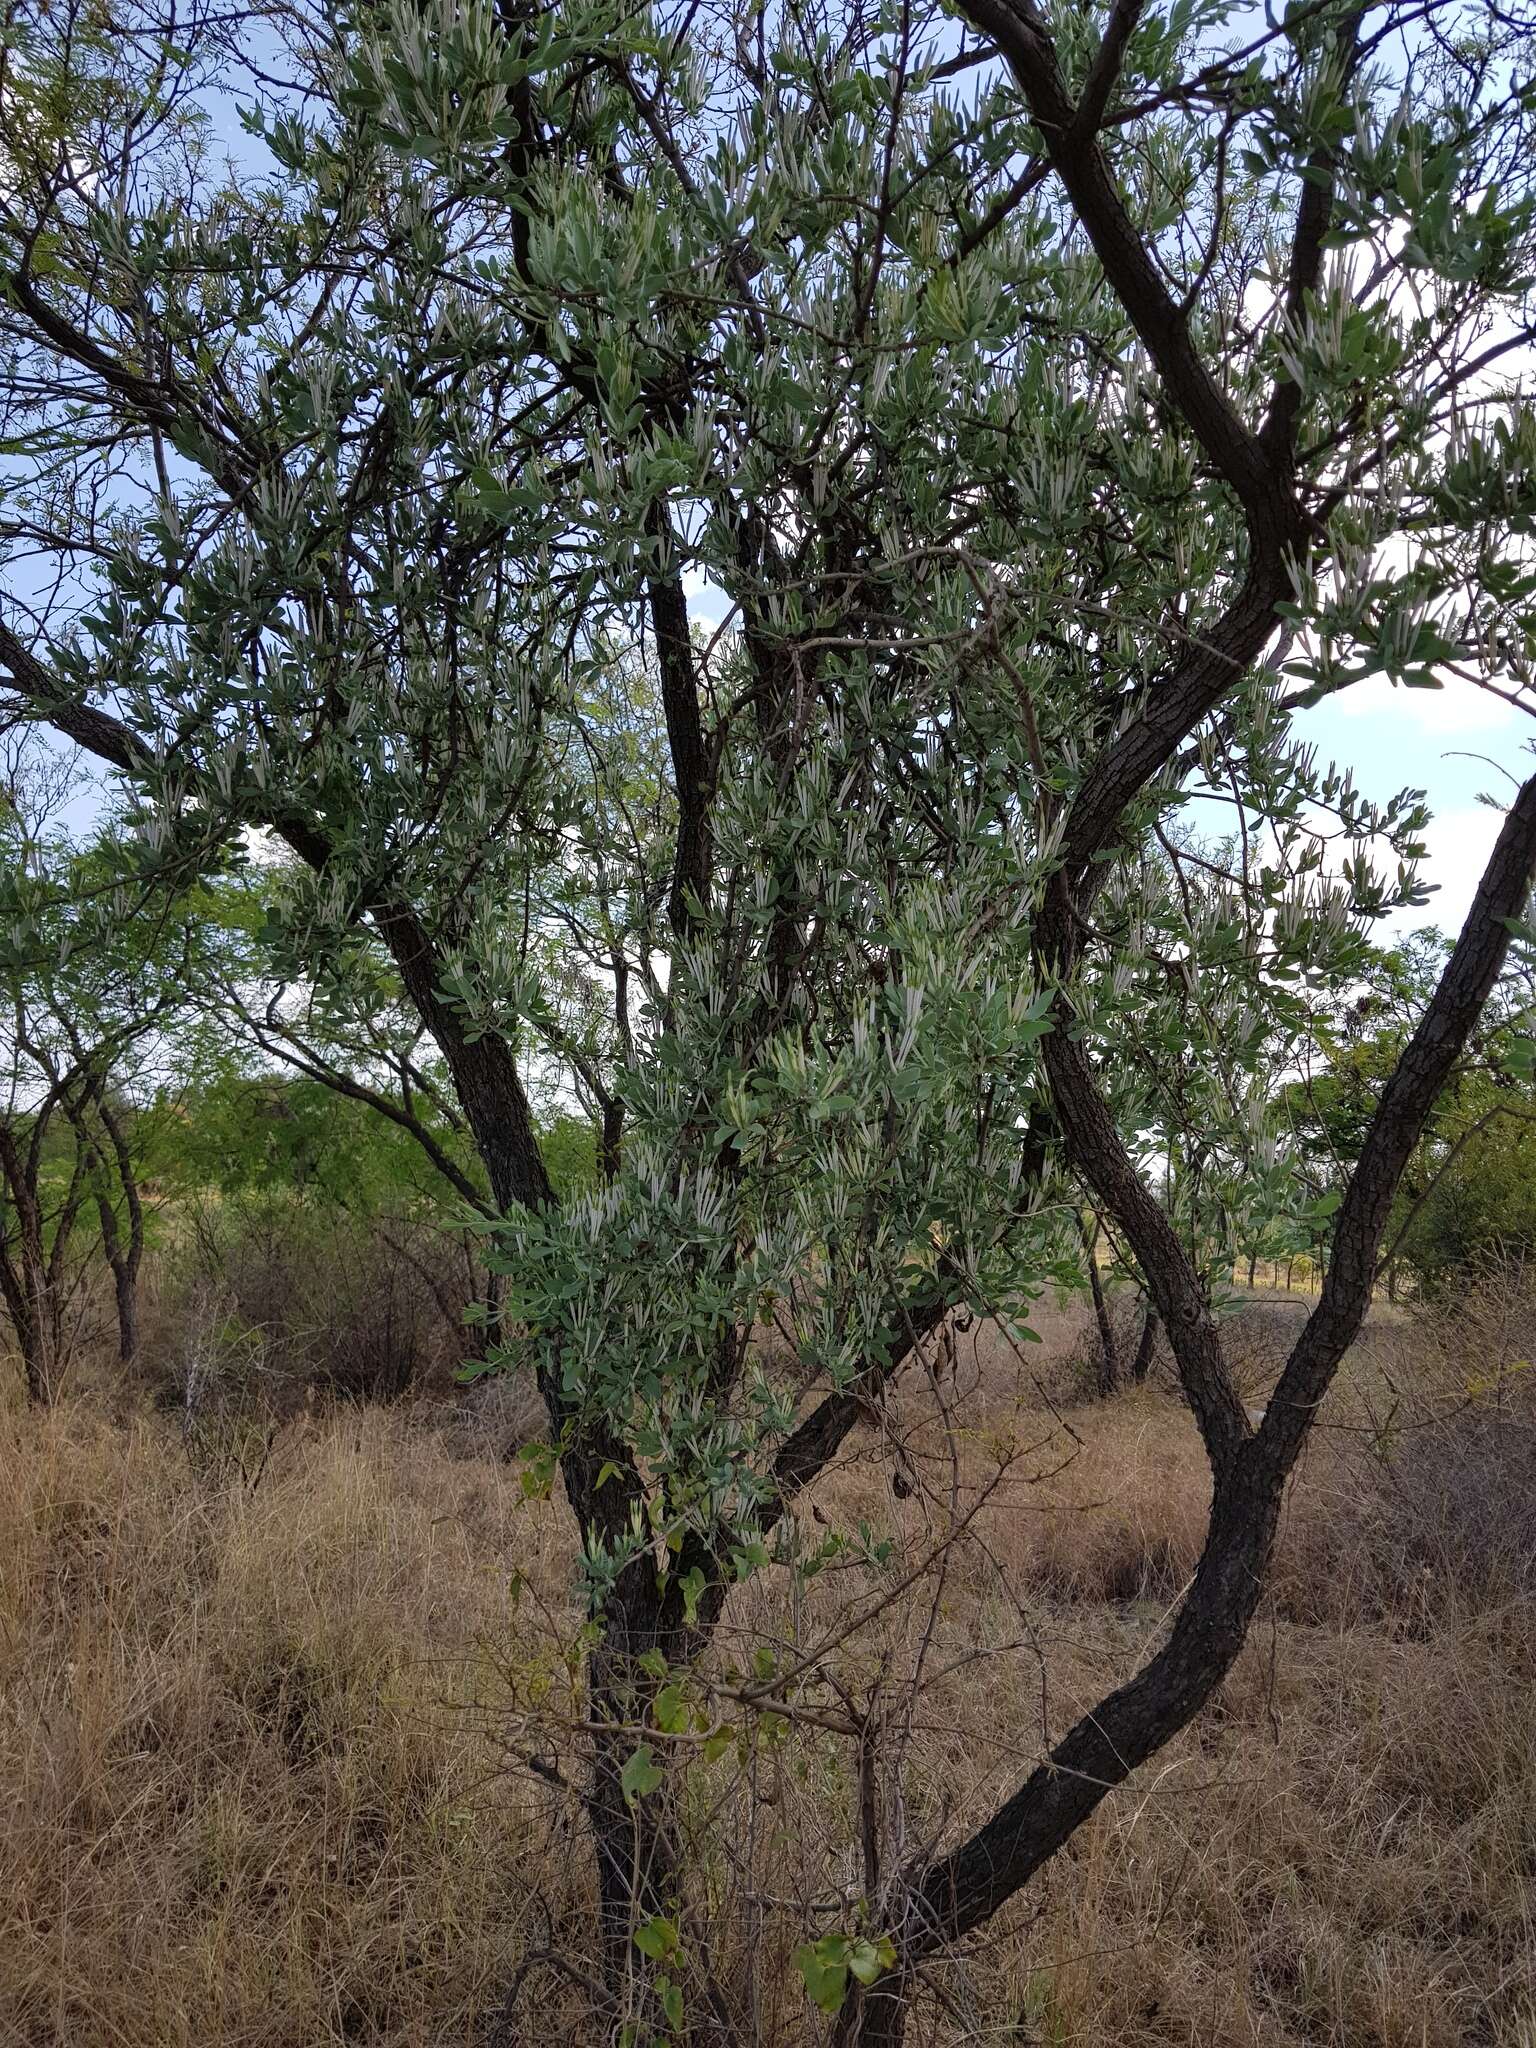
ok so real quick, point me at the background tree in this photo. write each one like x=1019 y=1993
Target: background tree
x=1464 y=1194
x=92 y=994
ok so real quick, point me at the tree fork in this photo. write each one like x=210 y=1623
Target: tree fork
x=961 y=1891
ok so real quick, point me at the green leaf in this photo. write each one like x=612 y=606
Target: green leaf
x=671 y=1709
x=869 y=1959
x=691 y=1585
x=640 y=1776
x=659 y=1939
x=826 y=1978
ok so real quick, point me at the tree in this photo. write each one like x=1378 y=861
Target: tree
x=1055 y=405
x=86 y=987
x=1464 y=1195
x=1481 y=1203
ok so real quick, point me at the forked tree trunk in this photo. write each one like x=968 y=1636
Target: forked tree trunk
x=957 y=1893
x=1254 y=459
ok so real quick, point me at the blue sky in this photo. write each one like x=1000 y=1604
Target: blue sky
x=1454 y=743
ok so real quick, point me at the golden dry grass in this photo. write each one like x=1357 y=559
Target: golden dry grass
x=261 y=1781
x=243 y=1803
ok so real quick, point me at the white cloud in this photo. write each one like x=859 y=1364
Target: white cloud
x=706 y=600
x=1458 y=843
x=1459 y=711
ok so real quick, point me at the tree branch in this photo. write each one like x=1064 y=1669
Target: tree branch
x=965 y=1888
x=1019 y=32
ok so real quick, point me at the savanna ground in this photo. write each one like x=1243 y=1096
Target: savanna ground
x=269 y=1705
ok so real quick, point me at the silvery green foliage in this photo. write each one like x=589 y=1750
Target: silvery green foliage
x=365 y=457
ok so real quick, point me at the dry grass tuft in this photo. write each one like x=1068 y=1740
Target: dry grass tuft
x=259 y=1745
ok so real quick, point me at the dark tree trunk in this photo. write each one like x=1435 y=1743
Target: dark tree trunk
x=35 y=1316
x=634 y=1845
x=126 y=1292
x=636 y=1842
x=611 y=1140
x=29 y=1273
x=36 y=1356
x=492 y=1300
x=126 y=1259
x=124 y=1279
x=1109 y=1355
x=1141 y=1364
x=123 y=1254
x=879 y=2018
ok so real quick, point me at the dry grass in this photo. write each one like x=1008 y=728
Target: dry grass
x=257 y=1745
x=244 y=1802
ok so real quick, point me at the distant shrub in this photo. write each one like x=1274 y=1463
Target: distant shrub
x=1460 y=1504
x=363 y=1312
x=1480 y=1212
x=1451 y=1514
